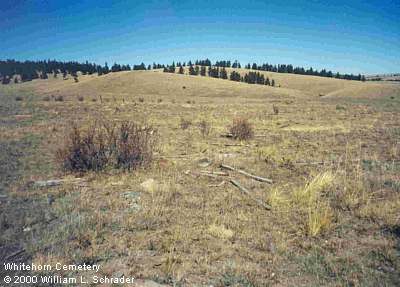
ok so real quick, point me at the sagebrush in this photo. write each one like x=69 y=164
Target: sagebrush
x=241 y=129
x=126 y=145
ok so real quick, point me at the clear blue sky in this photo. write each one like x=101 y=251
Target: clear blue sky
x=346 y=36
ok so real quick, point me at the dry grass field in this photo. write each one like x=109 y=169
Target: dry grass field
x=331 y=148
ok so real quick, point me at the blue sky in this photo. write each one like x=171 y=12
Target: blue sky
x=345 y=36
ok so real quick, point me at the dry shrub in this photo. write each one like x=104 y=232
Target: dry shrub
x=46 y=98
x=135 y=145
x=185 y=124
x=81 y=98
x=126 y=145
x=204 y=128
x=241 y=129
x=275 y=109
x=141 y=99
x=19 y=98
x=59 y=98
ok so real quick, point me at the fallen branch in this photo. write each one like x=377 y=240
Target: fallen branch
x=227 y=144
x=231 y=136
x=312 y=163
x=245 y=191
x=56 y=182
x=255 y=177
x=198 y=174
x=218 y=173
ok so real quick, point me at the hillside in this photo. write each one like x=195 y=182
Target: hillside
x=156 y=82
x=330 y=148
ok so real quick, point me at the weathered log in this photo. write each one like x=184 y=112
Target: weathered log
x=255 y=177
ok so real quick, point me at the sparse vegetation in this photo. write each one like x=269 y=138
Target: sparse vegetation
x=334 y=195
x=204 y=127
x=185 y=123
x=241 y=129
x=59 y=98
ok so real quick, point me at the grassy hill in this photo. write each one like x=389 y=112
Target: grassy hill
x=331 y=148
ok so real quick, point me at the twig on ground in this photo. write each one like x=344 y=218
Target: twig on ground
x=15 y=254
x=219 y=173
x=255 y=177
x=245 y=191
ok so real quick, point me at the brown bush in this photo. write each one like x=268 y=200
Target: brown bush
x=59 y=98
x=126 y=146
x=185 y=124
x=141 y=99
x=275 y=109
x=241 y=129
x=204 y=128
x=19 y=98
x=81 y=98
x=46 y=98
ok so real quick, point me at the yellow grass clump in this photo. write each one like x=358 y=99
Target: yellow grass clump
x=319 y=213
x=220 y=231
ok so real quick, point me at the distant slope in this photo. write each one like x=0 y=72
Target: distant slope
x=156 y=83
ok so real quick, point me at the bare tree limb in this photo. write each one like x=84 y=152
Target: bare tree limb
x=245 y=191
x=255 y=177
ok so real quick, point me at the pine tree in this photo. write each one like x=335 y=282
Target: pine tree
x=203 y=71
x=234 y=76
x=43 y=75
x=191 y=70
x=5 y=80
x=181 y=70
x=223 y=74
